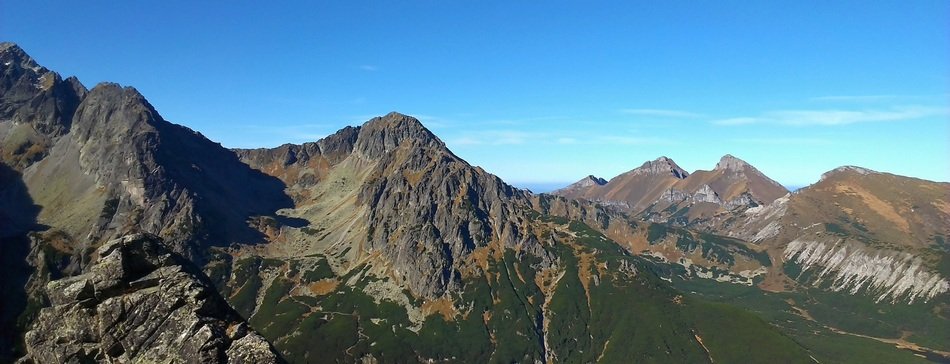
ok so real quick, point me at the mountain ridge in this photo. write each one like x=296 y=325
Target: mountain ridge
x=379 y=243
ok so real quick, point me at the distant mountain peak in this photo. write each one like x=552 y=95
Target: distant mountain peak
x=660 y=166
x=847 y=169
x=588 y=181
x=594 y=179
x=729 y=162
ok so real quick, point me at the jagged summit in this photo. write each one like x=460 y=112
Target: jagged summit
x=661 y=166
x=5 y=46
x=731 y=163
x=594 y=180
x=383 y=134
x=12 y=54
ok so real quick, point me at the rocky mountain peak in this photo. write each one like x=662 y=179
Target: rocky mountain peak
x=383 y=134
x=585 y=182
x=729 y=162
x=591 y=180
x=661 y=166
x=847 y=169
x=11 y=54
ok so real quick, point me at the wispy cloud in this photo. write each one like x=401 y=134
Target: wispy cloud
x=663 y=113
x=782 y=141
x=515 y=137
x=369 y=67
x=835 y=117
x=878 y=98
x=856 y=98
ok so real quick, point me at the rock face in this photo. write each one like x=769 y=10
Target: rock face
x=141 y=303
x=851 y=267
x=421 y=207
x=104 y=163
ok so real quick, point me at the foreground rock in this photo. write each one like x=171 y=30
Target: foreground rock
x=141 y=303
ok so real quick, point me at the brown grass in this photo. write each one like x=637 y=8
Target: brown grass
x=443 y=306
x=324 y=286
x=877 y=205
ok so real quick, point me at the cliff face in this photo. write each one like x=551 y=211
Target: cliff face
x=139 y=302
x=887 y=275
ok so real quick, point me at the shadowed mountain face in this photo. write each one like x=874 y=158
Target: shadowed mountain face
x=100 y=164
x=377 y=243
x=104 y=162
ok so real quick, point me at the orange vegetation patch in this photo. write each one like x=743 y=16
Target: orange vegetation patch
x=546 y=280
x=324 y=286
x=877 y=205
x=775 y=280
x=443 y=306
x=584 y=265
x=943 y=206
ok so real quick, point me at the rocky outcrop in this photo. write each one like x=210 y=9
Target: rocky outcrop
x=428 y=209
x=141 y=302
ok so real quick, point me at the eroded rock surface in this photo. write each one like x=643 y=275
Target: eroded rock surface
x=141 y=303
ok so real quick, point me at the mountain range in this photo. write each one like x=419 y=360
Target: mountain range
x=127 y=238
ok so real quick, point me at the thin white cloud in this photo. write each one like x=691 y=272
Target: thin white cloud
x=856 y=98
x=737 y=121
x=836 y=117
x=369 y=67
x=782 y=141
x=878 y=98
x=663 y=113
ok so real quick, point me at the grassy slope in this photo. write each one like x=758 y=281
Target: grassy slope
x=637 y=318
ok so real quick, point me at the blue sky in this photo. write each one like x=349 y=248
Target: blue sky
x=536 y=92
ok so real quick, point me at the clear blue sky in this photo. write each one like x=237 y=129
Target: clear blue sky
x=536 y=92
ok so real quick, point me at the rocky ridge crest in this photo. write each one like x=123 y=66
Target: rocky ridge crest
x=141 y=302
